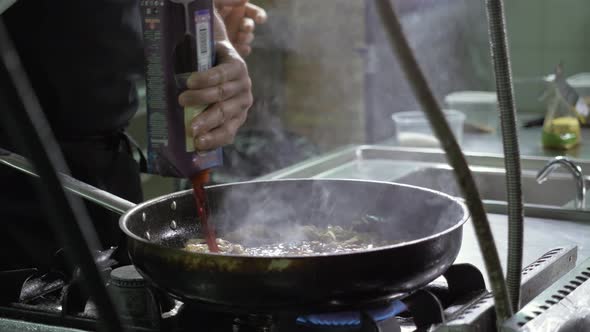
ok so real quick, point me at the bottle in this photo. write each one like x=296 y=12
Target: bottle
x=179 y=40
x=561 y=128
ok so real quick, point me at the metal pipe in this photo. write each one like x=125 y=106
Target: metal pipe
x=455 y=157
x=504 y=89
x=576 y=172
x=66 y=214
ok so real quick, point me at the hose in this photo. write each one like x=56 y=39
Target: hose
x=504 y=88
x=30 y=133
x=455 y=157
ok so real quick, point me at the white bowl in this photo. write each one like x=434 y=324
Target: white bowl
x=413 y=129
x=480 y=107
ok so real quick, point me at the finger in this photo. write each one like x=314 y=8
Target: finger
x=217 y=114
x=225 y=11
x=244 y=38
x=247 y=25
x=217 y=75
x=244 y=50
x=220 y=136
x=233 y=21
x=214 y=94
x=256 y=13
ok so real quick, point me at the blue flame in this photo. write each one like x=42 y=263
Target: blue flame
x=353 y=318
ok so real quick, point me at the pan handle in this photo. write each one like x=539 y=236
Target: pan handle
x=84 y=190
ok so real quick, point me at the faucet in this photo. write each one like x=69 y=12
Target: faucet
x=576 y=172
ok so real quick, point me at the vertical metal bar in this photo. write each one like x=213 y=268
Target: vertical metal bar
x=456 y=158
x=505 y=91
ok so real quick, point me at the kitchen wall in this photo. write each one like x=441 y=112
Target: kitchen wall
x=543 y=33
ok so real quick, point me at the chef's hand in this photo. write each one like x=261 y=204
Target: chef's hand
x=226 y=88
x=240 y=18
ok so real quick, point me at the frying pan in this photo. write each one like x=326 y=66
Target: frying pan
x=423 y=227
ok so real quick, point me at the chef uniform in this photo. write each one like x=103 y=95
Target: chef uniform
x=83 y=59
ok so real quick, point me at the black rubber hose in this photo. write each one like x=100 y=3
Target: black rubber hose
x=437 y=120
x=30 y=133
x=504 y=88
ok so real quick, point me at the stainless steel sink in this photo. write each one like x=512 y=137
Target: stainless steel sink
x=558 y=191
x=429 y=168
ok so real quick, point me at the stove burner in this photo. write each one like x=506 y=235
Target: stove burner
x=144 y=308
x=353 y=318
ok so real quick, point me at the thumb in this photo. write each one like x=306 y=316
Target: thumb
x=219 y=29
x=231 y=3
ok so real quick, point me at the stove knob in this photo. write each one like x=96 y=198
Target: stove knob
x=136 y=303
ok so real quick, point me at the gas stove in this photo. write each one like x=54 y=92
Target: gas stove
x=456 y=301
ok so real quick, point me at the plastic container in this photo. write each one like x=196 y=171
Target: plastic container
x=413 y=129
x=479 y=107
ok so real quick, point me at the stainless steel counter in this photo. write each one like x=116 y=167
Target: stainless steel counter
x=529 y=140
x=529 y=144
x=540 y=236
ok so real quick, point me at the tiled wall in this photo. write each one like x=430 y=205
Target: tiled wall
x=541 y=34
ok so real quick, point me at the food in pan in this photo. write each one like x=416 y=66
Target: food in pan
x=292 y=241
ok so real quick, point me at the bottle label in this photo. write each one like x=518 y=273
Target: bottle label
x=204 y=39
x=204 y=42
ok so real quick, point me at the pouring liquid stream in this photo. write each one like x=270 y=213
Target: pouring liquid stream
x=198 y=181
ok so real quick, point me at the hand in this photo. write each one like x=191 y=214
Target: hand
x=240 y=18
x=226 y=88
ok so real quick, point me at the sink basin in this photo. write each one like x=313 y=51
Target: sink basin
x=558 y=190
x=429 y=168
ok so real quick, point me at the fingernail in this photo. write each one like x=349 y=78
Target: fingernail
x=201 y=141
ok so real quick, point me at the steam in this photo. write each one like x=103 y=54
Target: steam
x=280 y=212
x=308 y=69
x=267 y=214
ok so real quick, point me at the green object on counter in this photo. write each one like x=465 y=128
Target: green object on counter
x=561 y=129
x=561 y=133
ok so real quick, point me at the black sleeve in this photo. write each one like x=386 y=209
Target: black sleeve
x=83 y=58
